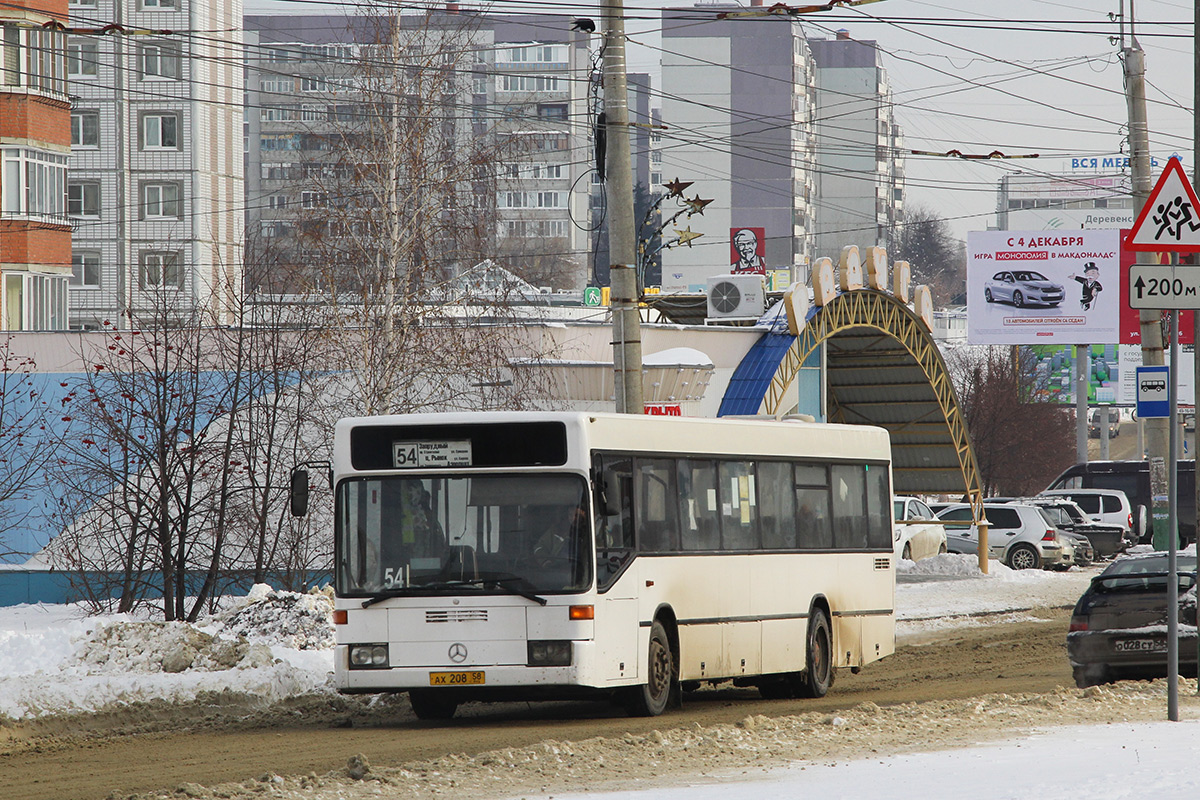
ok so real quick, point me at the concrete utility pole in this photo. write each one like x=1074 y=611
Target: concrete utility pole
x=1083 y=360
x=622 y=238
x=1196 y=314
x=1156 y=430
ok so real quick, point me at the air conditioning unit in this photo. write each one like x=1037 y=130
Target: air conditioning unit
x=736 y=297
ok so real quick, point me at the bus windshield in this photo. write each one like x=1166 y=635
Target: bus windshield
x=469 y=534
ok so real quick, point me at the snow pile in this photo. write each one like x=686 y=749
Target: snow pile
x=165 y=647
x=948 y=565
x=270 y=646
x=297 y=621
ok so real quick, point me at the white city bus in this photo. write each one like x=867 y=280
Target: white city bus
x=493 y=556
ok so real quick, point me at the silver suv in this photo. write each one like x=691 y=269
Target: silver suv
x=1109 y=506
x=1018 y=535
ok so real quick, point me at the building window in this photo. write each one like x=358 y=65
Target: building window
x=83 y=199
x=159 y=60
x=162 y=200
x=160 y=270
x=314 y=199
x=280 y=141
x=82 y=59
x=529 y=83
x=533 y=54
x=34 y=184
x=85 y=268
x=160 y=132
x=277 y=85
x=312 y=83
x=85 y=129
x=160 y=5
x=557 y=111
x=12 y=55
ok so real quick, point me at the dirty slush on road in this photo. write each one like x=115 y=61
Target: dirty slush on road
x=719 y=737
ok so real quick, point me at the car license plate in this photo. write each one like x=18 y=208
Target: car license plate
x=1140 y=646
x=456 y=678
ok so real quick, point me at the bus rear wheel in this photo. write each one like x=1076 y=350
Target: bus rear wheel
x=818 y=663
x=431 y=704
x=651 y=698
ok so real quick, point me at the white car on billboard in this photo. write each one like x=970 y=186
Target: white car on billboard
x=1022 y=287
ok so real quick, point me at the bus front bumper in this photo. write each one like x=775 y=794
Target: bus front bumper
x=472 y=678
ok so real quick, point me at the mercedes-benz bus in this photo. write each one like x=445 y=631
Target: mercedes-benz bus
x=517 y=555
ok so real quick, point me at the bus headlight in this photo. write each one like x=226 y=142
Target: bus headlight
x=369 y=656
x=550 y=653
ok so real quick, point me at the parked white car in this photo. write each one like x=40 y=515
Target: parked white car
x=1018 y=535
x=917 y=533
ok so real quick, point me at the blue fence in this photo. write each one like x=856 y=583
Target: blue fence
x=19 y=585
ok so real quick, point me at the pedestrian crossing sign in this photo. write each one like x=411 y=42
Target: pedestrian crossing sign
x=1170 y=220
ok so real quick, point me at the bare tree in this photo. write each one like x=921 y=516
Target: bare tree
x=143 y=467
x=1020 y=443
x=937 y=259
x=393 y=213
x=23 y=410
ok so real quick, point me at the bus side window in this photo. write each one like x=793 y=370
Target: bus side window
x=814 y=520
x=698 y=509
x=849 y=507
x=879 y=508
x=776 y=505
x=614 y=531
x=657 y=526
x=739 y=506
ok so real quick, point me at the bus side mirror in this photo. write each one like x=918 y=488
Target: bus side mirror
x=610 y=482
x=298 y=492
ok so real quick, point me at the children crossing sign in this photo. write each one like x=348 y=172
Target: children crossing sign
x=1170 y=220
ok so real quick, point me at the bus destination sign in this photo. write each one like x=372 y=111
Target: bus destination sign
x=425 y=454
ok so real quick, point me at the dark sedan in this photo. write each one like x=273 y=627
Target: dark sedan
x=1119 y=626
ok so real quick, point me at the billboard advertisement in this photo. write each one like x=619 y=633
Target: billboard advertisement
x=1043 y=287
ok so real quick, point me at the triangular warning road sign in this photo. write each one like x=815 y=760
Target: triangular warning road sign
x=1170 y=220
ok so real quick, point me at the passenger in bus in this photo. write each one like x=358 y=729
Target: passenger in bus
x=419 y=528
x=562 y=525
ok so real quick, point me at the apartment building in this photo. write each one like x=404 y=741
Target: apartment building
x=510 y=143
x=155 y=189
x=35 y=139
x=859 y=155
x=738 y=105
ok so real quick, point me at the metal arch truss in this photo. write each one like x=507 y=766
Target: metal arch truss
x=883 y=312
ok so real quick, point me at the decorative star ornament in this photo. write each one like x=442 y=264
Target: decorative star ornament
x=696 y=205
x=675 y=188
x=686 y=235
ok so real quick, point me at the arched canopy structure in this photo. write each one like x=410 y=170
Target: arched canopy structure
x=883 y=368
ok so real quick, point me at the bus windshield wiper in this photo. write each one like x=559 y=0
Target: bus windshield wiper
x=499 y=582
x=379 y=597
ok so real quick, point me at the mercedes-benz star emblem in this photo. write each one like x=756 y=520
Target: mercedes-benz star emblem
x=458 y=652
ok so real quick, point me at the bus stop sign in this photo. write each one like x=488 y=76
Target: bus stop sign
x=1153 y=399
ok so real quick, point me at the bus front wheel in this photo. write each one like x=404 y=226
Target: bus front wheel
x=651 y=698
x=818 y=662
x=431 y=704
